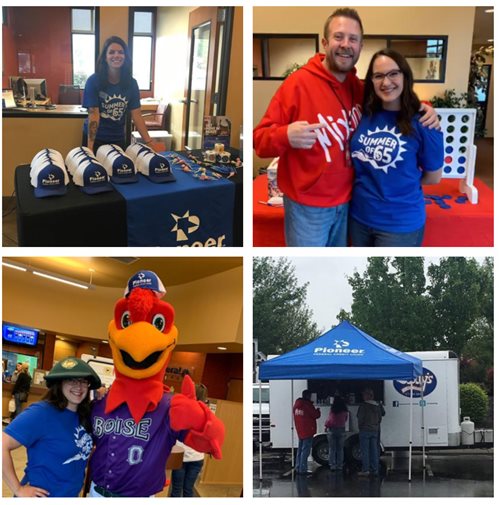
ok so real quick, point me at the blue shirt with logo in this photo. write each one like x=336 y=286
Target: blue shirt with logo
x=113 y=103
x=58 y=448
x=387 y=193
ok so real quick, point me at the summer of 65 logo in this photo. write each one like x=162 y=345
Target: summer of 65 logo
x=382 y=148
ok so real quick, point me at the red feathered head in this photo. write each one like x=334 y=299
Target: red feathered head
x=142 y=334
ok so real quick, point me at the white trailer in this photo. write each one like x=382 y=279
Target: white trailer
x=435 y=407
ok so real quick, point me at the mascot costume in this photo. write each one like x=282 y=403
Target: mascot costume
x=138 y=422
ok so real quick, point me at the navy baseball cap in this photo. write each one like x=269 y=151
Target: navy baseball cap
x=146 y=279
x=92 y=178
x=49 y=179
x=119 y=166
x=123 y=170
x=156 y=168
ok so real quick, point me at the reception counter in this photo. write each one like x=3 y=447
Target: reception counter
x=28 y=130
x=36 y=394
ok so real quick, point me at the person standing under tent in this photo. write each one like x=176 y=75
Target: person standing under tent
x=335 y=433
x=369 y=418
x=304 y=416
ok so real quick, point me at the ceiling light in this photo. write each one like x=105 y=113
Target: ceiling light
x=104 y=341
x=15 y=267
x=221 y=348
x=489 y=11
x=61 y=279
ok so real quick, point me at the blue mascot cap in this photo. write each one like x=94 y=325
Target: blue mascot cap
x=146 y=279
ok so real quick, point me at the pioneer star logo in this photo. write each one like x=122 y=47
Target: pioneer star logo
x=185 y=225
x=340 y=343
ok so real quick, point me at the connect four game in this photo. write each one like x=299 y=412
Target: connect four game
x=459 y=149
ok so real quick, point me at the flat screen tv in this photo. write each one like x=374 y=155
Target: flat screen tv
x=21 y=336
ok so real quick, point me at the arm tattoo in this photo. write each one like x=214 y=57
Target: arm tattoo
x=93 y=129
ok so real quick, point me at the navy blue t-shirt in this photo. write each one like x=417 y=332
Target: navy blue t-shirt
x=113 y=103
x=58 y=448
x=387 y=193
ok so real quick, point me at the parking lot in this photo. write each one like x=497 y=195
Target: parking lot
x=448 y=473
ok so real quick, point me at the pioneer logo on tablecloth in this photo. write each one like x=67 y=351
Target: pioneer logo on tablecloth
x=186 y=224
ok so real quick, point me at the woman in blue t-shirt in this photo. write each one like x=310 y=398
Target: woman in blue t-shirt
x=393 y=156
x=56 y=433
x=109 y=94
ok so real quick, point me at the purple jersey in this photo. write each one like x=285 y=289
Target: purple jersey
x=129 y=458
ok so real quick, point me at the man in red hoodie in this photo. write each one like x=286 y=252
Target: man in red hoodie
x=308 y=124
x=304 y=416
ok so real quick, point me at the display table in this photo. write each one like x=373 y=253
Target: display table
x=74 y=219
x=463 y=225
x=187 y=212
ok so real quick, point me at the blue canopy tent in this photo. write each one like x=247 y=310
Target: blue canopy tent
x=344 y=352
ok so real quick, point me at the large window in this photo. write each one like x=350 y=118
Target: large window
x=142 y=46
x=83 y=44
x=275 y=55
x=425 y=55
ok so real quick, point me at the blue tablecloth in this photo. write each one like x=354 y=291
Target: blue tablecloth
x=187 y=212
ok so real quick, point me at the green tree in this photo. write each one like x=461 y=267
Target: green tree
x=281 y=319
x=390 y=303
x=448 y=307
x=456 y=287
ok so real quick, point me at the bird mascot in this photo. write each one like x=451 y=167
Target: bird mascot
x=138 y=422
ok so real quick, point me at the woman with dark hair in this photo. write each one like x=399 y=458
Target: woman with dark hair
x=56 y=433
x=109 y=94
x=21 y=388
x=393 y=156
x=335 y=433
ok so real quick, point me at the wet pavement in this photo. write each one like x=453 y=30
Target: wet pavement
x=448 y=474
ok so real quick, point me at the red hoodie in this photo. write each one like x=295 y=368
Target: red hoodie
x=321 y=176
x=304 y=416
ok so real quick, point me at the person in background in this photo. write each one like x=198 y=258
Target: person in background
x=184 y=479
x=304 y=416
x=16 y=373
x=335 y=432
x=56 y=433
x=369 y=418
x=109 y=95
x=21 y=388
x=393 y=156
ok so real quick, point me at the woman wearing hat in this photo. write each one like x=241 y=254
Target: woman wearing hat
x=56 y=433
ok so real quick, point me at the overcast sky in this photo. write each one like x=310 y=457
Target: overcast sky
x=329 y=290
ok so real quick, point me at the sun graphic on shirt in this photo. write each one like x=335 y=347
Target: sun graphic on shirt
x=381 y=148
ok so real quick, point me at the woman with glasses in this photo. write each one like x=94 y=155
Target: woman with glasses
x=393 y=156
x=56 y=433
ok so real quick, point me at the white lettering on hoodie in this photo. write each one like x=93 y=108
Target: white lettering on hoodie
x=339 y=129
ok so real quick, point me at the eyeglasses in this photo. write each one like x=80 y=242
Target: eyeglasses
x=78 y=382
x=393 y=75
